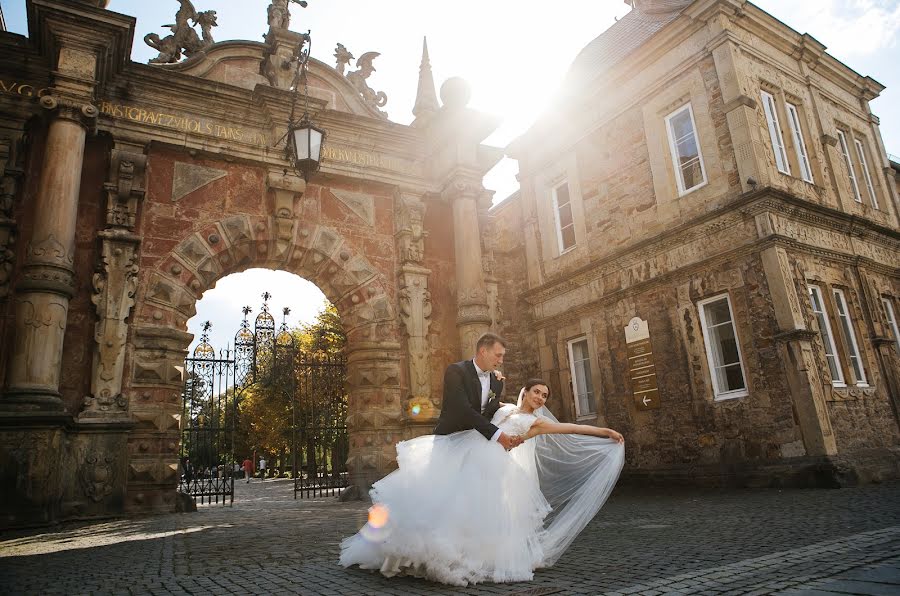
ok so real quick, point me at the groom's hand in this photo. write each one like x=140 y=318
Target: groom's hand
x=509 y=442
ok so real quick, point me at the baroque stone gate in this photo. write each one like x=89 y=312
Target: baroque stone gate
x=128 y=190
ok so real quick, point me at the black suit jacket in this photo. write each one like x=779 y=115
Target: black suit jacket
x=461 y=409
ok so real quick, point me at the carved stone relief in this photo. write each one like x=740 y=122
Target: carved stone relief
x=124 y=190
x=411 y=231
x=415 y=312
x=97 y=476
x=115 y=284
x=7 y=223
x=286 y=189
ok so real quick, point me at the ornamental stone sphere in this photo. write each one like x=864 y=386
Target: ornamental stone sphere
x=455 y=93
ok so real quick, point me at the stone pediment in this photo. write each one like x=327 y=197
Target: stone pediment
x=240 y=64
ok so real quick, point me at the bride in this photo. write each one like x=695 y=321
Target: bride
x=463 y=510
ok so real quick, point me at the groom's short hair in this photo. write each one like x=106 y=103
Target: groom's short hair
x=487 y=340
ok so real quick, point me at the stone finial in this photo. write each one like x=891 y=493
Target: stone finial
x=183 y=38
x=426 y=97
x=456 y=93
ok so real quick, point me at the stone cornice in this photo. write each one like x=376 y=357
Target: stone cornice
x=589 y=307
x=806 y=48
x=741 y=14
x=731 y=214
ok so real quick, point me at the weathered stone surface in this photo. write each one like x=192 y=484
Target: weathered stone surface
x=646 y=247
x=190 y=177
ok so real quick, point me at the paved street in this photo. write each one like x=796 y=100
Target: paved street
x=690 y=542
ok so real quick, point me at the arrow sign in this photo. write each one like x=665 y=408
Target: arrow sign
x=647 y=400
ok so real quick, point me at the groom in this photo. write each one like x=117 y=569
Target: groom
x=472 y=393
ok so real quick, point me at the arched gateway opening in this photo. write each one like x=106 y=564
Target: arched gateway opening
x=272 y=392
x=317 y=253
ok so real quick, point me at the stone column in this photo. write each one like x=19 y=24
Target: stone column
x=47 y=281
x=797 y=350
x=472 y=316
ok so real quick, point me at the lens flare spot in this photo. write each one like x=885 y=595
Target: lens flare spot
x=416 y=410
x=376 y=529
x=378 y=516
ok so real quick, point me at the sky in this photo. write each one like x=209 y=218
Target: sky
x=514 y=53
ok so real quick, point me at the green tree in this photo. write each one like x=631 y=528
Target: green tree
x=266 y=414
x=324 y=335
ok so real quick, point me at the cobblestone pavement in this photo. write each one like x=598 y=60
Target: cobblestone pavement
x=673 y=542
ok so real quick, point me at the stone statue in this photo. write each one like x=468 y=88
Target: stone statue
x=358 y=79
x=279 y=15
x=183 y=36
x=343 y=56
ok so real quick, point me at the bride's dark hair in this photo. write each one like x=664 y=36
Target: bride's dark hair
x=536 y=381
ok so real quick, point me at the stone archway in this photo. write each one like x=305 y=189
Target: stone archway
x=122 y=231
x=167 y=298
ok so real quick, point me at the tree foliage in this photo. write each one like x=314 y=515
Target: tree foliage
x=265 y=412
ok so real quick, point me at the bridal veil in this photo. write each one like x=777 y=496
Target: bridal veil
x=577 y=473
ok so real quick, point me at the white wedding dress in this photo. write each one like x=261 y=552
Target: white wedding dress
x=460 y=509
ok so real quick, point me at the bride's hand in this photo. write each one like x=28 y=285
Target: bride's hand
x=615 y=436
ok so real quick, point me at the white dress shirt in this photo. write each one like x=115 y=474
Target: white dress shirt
x=485 y=379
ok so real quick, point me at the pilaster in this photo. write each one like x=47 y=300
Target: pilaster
x=415 y=307
x=115 y=283
x=796 y=340
x=740 y=106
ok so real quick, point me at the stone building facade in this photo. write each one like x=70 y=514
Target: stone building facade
x=703 y=252
x=129 y=189
x=708 y=225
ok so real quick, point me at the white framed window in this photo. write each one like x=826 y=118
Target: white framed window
x=781 y=161
x=582 y=384
x=845 y=151
x=562 y=215
x=723 y=351
x=865 y=168
x=834 y=362
x=799 y=142
x=892 y=320
x=856 y=365
x=687 y=158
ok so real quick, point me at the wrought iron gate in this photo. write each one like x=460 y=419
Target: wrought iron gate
x=321 y=443
x=269 y=362
x=207 y=438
